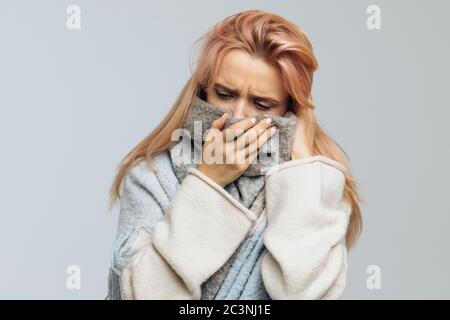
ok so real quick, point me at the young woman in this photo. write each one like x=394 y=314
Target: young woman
x=221 y=229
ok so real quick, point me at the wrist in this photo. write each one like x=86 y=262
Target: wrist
x=212 y=177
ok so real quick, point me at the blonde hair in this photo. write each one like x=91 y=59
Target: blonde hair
x=286 y=46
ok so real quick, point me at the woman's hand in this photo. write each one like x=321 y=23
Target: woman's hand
x=225 y=158
x=300 y=148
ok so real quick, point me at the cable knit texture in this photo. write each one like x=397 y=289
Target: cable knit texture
x=173 y=235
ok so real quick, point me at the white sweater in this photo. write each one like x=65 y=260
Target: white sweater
x=305 y=237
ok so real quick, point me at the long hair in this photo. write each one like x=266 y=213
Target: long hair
x=281 y=43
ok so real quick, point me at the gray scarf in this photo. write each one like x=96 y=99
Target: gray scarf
x=248 y=189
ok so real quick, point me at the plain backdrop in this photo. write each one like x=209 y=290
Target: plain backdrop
x=74 y=102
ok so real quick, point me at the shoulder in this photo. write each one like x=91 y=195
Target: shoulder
x=141 y=178
x=143 y=202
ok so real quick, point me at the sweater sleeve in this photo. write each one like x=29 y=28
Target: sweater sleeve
x=307 y=223
x=202 y=228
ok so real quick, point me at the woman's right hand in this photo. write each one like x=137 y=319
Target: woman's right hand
x=224 y=158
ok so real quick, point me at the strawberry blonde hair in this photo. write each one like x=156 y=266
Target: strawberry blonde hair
x=281 y=43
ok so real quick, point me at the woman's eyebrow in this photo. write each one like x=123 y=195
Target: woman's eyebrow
x=269 y=99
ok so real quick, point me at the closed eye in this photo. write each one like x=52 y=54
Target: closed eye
x=261 y=106
x=223 y=95
x=226 y=96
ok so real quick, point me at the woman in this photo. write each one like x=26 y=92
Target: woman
x=238 y=230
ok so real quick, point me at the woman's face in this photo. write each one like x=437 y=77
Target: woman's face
x=248 y=86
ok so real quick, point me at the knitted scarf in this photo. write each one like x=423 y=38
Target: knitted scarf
x=248 y=189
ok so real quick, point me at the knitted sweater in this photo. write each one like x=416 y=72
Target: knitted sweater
x=172 y=237
x=248 y=189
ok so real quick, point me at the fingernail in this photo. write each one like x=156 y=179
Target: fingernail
x=253 y=120
x=268 y=120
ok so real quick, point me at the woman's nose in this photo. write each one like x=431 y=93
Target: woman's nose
x=240 y=110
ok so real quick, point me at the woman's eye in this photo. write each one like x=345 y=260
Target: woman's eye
x=223 y=95
x=261 y=106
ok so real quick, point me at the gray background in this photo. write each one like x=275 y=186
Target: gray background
x=73 y=103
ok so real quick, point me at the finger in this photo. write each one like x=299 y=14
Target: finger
x=239 y=128
x=253 y=133
x=262 y=139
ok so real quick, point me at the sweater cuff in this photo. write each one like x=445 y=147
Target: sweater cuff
x=228 y=197
x=302 y=161
x=203 y=228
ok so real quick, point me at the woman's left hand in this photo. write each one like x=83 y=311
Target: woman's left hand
x=299 y=146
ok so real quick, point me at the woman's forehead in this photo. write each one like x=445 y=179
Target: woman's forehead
x=244 y=73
